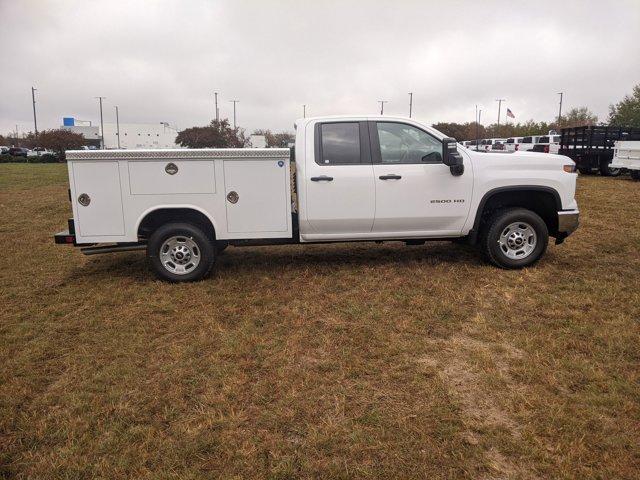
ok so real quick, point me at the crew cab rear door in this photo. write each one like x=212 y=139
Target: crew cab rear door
x=340 y=190
x=416 y=194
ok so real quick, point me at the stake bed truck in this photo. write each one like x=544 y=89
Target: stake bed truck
x=347 y=179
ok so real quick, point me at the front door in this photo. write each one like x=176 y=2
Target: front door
x=416 y=195
x=340 y=195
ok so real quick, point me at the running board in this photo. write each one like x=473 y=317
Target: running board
x=112 y=248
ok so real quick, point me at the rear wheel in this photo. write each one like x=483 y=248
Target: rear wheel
x=607 y=171
x=635 y=174
x=514 y=238
x=180 y=252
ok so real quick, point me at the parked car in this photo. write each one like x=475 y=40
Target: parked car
x=18 y=151
x=356 y=178
x=512 y=144
x=626 y=155
x=4 y=150
x=545 y=142
x=38 y=151
x=528 y=143
x=498 y=143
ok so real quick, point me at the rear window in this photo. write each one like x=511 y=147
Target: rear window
x=527 y=140
x=556 y=139
x=340 y=143
x=543 y=140
x=511 y=140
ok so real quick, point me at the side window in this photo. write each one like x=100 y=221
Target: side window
x=340 y=144
x=402 y=143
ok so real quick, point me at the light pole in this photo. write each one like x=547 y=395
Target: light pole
x=215 y=96
x=410 y=103
x=234 y=112
x=304 y=111
x=117 y=126
x=101 y=123
x=560 y=109
x=499 y=100
x=382 y=102
x=33 y=99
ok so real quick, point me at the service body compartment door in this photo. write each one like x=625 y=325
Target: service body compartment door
x=257 y=198
x=99 y=184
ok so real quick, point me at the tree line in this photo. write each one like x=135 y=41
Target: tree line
x=220 y=134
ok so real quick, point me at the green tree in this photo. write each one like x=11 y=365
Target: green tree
x=626 y=113
x=577 y=117
x=276 y=140
x=58 y=140
x=218 y=134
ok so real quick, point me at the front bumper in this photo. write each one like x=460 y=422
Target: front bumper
x=568 y=221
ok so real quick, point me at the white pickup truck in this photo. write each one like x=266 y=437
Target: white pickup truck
x=626 y=154
x=347 y=179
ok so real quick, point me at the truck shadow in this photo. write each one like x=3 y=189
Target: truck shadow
x=289 y=258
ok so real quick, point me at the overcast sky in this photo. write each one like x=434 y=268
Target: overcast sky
x=162 y=60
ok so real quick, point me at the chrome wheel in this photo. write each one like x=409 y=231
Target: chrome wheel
x=179 y=255
x=517 y=240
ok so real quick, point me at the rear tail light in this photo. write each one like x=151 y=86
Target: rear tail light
x=569 y=168
x=546 y=149
x=517 y=147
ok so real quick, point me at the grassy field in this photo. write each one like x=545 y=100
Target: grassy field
x=339 y=361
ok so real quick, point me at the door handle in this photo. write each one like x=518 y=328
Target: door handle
x=322 y=178
x=391 y=176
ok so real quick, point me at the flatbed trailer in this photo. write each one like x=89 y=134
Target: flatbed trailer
x=591 y=147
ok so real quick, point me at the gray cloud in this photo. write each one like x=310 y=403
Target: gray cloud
x=162 y=60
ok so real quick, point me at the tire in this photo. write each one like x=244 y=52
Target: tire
x=635 y=174
x=180 y=252
x=585 y=171
x=607 y=171
x=514 y=238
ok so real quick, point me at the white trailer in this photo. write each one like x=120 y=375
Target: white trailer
x=626 y=154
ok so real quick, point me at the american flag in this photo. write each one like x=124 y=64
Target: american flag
x=510 y=113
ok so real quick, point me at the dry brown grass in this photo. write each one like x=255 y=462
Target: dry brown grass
x=340 y=361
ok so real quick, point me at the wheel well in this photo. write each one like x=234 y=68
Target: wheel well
x=159 y=217
x=543 y=202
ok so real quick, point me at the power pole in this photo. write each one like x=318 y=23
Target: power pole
x=304 y=111
x=560 y=109
x=33 y=99
x=477 y=128
x=101 y=123
x=117 y=126
x=215 y=96
x=499 y=100
x=382 y=102
x=410 y=103
x=234 y=112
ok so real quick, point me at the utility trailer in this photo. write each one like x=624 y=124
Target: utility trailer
x=591 y=147
x=627 y=155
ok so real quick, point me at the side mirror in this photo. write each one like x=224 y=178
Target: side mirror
x=452 y=157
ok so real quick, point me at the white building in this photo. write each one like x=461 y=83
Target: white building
x=132 y=135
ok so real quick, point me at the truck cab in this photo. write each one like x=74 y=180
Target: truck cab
x=349 y=178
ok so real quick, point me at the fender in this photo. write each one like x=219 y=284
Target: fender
x=473 y=234
x=174 y=207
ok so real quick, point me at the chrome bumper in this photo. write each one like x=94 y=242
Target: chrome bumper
x=568 y=222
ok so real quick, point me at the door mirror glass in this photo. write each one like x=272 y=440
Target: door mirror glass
x=452 y=157
x=432 y=157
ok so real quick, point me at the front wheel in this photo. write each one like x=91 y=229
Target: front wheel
x=180 y=252
x=514 y=238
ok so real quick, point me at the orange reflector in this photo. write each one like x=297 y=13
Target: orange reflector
x=569 y=168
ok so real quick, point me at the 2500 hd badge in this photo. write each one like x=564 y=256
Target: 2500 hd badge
x=448 y=200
